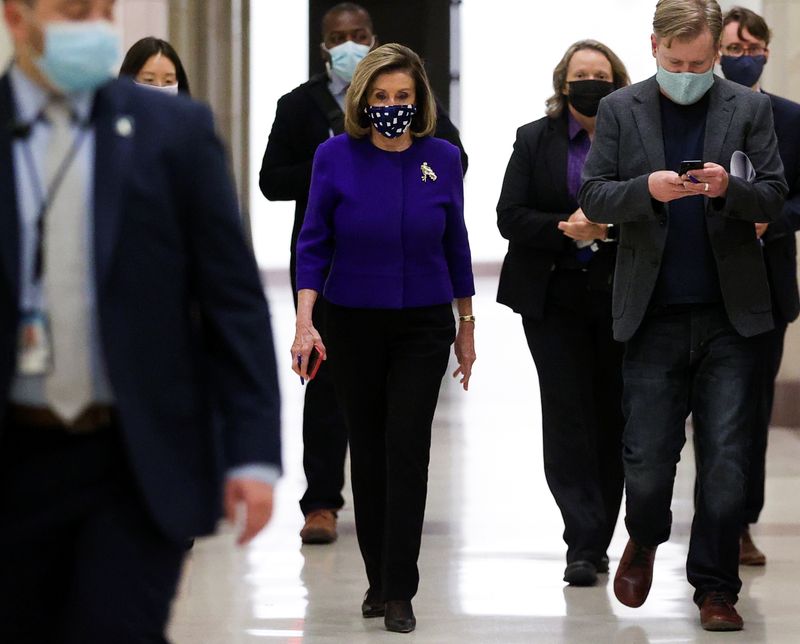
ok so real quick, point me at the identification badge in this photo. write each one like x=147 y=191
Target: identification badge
x=33 y=346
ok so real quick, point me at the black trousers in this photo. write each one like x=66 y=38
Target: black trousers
x=80 y=560
x=769 y=360
x=388 y=367
x=580 y=381
x=324 y=431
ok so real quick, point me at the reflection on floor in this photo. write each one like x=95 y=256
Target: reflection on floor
x=492 y=557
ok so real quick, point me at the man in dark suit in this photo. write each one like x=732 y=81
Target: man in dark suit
x=137 y=362
x=744 y=52
x=305 y=117
x=690 y=292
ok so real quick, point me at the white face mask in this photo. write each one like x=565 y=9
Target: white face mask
x=172 y=90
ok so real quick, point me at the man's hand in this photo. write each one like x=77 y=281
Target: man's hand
x=760 y=230
x=712 y=181
x=578 y=227
x=256 y=497
x=666 y=186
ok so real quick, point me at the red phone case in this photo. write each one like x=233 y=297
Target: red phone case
x=314 y=361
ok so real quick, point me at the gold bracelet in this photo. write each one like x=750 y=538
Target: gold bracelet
x=466 y=318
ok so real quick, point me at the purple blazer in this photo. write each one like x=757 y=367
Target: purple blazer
x=376 y=235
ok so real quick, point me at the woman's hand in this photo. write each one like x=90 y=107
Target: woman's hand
x=579 y=228
x=306 y=337
x=465 y=352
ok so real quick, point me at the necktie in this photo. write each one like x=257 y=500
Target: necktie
x=68 y=387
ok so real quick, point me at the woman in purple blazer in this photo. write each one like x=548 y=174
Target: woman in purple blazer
x=384 y=242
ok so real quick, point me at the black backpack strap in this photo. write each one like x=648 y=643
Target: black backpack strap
x=318 y=90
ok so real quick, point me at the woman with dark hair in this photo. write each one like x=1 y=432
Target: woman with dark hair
x=557 y=275
x=154 y=63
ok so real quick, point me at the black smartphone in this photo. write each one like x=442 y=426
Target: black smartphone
x=686 y=166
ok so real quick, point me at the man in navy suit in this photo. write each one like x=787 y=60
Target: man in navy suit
x=136 y=355
x=744 y=52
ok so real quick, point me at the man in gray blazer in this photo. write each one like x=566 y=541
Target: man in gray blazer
x=690 y=292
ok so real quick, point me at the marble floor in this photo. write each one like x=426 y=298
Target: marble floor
x=492 y=556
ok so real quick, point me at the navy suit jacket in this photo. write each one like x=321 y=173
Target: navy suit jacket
x=780 y=245
x=184 y=324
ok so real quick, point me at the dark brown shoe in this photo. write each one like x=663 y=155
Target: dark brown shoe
x=320 y=527
x=749 y=554
x=717 y=613
x=399 y=616
x=634 y=574
x=373 y=605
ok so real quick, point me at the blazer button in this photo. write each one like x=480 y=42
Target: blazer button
x=662 y=222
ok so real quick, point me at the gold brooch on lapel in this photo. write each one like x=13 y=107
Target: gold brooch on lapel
x=427 y=172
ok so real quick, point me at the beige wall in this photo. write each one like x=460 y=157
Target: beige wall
x=140 y=18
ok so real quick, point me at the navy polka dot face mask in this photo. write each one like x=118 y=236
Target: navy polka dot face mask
x=391 y=120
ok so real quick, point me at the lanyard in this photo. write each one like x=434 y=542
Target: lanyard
x=46 y=198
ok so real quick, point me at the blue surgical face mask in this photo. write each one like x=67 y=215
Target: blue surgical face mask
x=745 y=70
x=345 y=57
x=79 y=55
x=171 y=90
x=391 y=120
x=685 y=88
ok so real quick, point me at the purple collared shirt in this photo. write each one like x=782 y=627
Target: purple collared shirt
x=577 y=151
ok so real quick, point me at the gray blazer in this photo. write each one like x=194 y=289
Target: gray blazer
x=628 y=146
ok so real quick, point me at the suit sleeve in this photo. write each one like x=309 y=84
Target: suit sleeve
x=789 y=221
x=285 y=173
x=316 y=241
x=762 y=199
x=456 y=239
x=231 y=299
x=604 y=197
x=518 y=219
x=449 y=132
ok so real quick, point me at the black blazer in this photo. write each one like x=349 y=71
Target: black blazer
x=168 y=244
x=534 y=198
x=780 y=246
x=300 y=126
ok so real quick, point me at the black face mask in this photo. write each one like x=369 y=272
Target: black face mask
x=585 y=95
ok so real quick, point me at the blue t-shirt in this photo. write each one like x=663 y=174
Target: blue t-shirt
x=688 y=270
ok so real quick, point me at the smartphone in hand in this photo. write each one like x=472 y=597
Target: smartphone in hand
x=687 y=166
x=314 y=362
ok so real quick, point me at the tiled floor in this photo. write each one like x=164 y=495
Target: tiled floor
x=492 y=555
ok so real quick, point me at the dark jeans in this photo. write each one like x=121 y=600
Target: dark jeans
x=682 y=360
x=324 y=433
x=81 y=562
x=580 y=381
x=388 y=367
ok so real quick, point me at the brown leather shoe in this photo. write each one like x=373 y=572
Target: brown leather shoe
x=749 y=554
x=718 y=614
x=320 y=527
x=634 y=574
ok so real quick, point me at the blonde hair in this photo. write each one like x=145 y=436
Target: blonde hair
x=386 y=59
x=687 y=19
x=555 y=104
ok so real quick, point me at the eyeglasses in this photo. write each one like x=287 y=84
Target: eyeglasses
x=737 y=50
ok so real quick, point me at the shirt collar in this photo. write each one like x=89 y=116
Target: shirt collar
x=336 y=84
x=574 y=127
x=31 y=98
